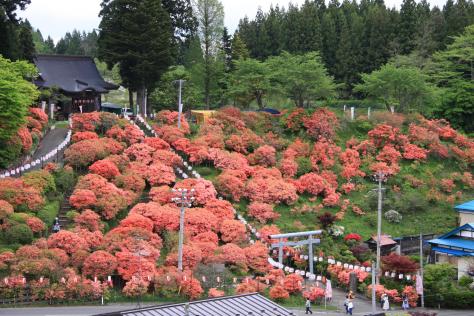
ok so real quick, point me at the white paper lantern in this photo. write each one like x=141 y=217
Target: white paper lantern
x=368 y=269
x=319 y=278
x=306 y=257
x=345 y=266
x=351 y=267
x=321 y=259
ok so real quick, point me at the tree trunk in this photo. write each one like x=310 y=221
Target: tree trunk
x=140 y=100
x=130 y=98
x=259 y=100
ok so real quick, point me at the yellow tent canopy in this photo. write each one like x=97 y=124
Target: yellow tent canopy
x=202 y=116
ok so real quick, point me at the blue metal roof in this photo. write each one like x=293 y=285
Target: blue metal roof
x=466 y=207
x=454 y=242
x=467 y=226
x=454 y=252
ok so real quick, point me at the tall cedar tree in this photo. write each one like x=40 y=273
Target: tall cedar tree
x=227 y=49
x=25 y=42
x=137 y=35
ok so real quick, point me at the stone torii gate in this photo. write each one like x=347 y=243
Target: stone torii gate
x=310 y=241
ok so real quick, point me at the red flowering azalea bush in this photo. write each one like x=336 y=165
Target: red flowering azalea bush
x=84 y=153
x=25 y=137
x=80 y=136
x=288 y=167
x=324 y=155
x=6 y=209
x=161 y=194
x=311 y=183
x=321 y=124
x=293 y=283
x=268 y=230
x=20 y=195
x=263 y=212
x=82 y=199
x=85 y=121
x=383 y=135
x=294 y=121
x=39 y=115
x=88 y=220
x=192 y=256
x=99 y=264
x=222 y=209
x=191 y=288
x=167 y=117
x=278 y=293
x=167 y=157
x=213 y=292
x=353 y=236
x=264 y=156
x=136 y=287
x=157 y=143
x=271 y=190
x=105 y=168
x=140 y=152
x=199 y=220
x=68 y=241
x=231 y=184
x=257 y=257
x=35 y=224
x=160 y=174
x=232 y=255
x=232 y=231
x=314 y=293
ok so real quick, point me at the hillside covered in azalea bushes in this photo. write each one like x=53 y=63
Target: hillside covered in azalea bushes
x=298 y=171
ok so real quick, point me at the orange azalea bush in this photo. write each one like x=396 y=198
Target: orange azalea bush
x=278 y=293
x=263 y=212
x=213 y=292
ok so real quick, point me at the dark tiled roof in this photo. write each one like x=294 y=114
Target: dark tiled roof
x=70 y=74
x=243 y=305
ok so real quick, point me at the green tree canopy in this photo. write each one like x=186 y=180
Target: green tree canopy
x=166 y=94
x=454 y=71
x=249 y=81
x=402 y=89
x=302 y=78
x=16 y=95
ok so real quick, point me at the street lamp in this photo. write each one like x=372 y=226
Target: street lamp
x=180 y=104
x=183 y=198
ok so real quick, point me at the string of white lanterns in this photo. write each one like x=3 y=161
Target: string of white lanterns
x=41 y=160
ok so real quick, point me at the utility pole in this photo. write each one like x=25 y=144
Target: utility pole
x=180 y=104
x=421 y=269
x=379 y=176
x=374 y=308
x=184 y=198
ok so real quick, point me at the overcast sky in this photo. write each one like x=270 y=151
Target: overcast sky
x=56 y=17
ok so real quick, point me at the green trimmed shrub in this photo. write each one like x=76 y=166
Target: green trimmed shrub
x=304 y=166
x=20 y=233
x=465 y=281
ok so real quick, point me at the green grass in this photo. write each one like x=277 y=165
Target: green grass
x=62 y=124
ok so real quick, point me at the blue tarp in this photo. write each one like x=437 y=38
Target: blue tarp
x=457 y=253
x=468 y=206
x=271 y=111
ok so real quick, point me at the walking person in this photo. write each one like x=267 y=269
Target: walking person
x=350 y=306
x=346 y=304
x=386 y=303
x=308 y=307
x=405 y=304
x=56 y=226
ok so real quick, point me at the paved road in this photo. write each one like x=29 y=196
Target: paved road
x=50 y=141
x=362 y=307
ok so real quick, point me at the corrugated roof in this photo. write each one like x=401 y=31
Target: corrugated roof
x=70 y=73
x=243 y=305
x=385 y=240
x=454 y=242
x=466 y=207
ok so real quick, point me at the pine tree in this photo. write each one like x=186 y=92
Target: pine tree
x=408 y=26
x=227 y=49
x=239 y=49
x=25 y=41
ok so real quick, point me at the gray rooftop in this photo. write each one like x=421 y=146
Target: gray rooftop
x=242 y=305
x=70 y=73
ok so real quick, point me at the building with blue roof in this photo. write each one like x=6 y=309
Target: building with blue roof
x=457 y=246
x=466 y=212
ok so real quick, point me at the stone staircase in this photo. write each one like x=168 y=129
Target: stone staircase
x=65 y=207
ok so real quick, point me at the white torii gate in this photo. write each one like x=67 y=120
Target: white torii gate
x=310 y=241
